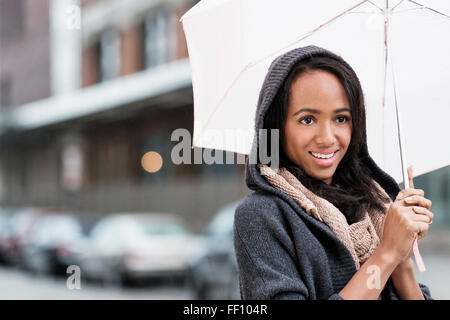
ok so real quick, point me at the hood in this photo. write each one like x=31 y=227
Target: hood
x=278 y=71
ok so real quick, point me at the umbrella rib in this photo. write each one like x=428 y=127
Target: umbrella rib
x=410 y=9
x=312 y=31
x=430 y=9
x=362 y=12
x=375 y=5
x=385 y=71
x=397 y=5
x=251 y=64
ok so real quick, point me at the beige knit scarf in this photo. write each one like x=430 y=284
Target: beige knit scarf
x=361 y=238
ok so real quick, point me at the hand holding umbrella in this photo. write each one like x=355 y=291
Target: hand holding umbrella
x=407 y=218
x=414 y=200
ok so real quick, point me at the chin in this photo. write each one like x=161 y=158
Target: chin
x=324 y=177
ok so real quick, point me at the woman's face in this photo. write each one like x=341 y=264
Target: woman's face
x=318 y=124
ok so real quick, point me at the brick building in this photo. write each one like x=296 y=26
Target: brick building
x=82 y=104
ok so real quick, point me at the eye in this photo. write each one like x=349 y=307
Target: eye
x=306 y=120
x=343 y=119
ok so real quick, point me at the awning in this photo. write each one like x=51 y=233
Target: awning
x=117 y=93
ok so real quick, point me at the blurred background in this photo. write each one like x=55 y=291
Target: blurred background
x=90 y=93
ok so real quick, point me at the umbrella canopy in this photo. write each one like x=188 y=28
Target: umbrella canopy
x=232 y=43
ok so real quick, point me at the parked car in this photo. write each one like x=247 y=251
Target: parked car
x=5 y=232
x=46 y=250
x=129 y=247
x=213 y=269
x=18 y=232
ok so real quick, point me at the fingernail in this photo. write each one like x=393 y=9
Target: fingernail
x=400 y=195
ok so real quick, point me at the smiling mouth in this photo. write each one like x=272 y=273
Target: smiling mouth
x=323 y=155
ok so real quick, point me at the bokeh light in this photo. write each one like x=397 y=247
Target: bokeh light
x=151 y=161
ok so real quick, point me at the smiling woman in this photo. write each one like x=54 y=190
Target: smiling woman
x=329 y=223
x=319 y=110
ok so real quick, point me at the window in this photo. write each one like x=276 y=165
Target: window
x=5 y=91
x=11 y=19
x=109 y=55
x=157 y=38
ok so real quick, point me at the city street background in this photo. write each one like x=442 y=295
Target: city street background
x=90 y=94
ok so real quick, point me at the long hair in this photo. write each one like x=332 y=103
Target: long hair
x=352 y=189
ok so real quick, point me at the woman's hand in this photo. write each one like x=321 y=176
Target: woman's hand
x=418 y=203
x=407 y=217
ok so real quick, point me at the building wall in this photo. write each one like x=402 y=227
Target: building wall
x=25 y=58
x=133 y=40
x=113 y=179
x=90 y=72
x=87 y=3
x=132 y=51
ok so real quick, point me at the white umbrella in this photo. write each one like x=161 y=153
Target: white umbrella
x=399 y=49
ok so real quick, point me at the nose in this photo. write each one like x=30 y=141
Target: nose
x=325 y=136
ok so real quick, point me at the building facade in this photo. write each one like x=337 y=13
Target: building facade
x=109 y=86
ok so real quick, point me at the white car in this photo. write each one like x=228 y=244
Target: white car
x=128 y=247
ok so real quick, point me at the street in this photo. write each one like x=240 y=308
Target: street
x=17 y=284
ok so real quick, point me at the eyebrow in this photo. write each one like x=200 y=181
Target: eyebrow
x=318 y=112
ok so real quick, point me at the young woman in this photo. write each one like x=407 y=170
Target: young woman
x=329 y=223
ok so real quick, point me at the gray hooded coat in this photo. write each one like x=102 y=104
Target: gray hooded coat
x=282 y=252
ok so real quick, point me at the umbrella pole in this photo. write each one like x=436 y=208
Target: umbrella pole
x=389 y=59
x=388 y=50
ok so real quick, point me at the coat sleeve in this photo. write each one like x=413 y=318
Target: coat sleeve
x=265 y=255
x=425 y=291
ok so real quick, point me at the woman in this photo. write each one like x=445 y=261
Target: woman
x=329 y=223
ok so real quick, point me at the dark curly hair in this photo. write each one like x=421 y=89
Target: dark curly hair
x=352 y=190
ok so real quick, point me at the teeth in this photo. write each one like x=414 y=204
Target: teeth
x=323 y=156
